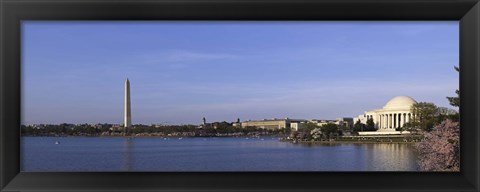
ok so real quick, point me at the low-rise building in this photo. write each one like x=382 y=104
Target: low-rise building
x=273 y=123
x=322 y=122
x=295 y=126
x=345 y=122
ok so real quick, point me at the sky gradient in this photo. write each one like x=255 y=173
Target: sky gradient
x=180 y=72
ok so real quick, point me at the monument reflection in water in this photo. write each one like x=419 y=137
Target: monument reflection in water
x=127 y=155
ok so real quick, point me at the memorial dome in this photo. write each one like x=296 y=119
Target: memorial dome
x=400 y=102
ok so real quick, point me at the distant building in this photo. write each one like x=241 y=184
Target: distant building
x=295 y=126
x=322 y=122
x=272 y=123
x=346 y=122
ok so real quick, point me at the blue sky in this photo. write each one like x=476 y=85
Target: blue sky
x=180 y=72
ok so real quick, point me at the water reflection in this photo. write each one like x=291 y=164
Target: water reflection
x=391 y=156
x=370 y=157
x=127 y=154
x=211 y=154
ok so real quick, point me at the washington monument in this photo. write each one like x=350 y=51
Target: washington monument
x=128 y=112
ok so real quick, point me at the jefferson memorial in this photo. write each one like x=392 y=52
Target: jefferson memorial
x=393 y=115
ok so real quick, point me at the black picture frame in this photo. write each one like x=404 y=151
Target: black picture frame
x=12 y=12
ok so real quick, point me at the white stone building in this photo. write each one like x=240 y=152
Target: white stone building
x=393 y=115
x=341 y=121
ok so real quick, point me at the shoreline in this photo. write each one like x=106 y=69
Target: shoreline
x=280 y=139
x=348 y=142
x=144 y=136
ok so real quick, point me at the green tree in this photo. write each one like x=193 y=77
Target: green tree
x=294 y=135
x=329 y=129
x=370 y=125
x=425 y=116
x=307 y=129
x=309 y=126
x=446 y=113
x=455 y=101
x=358 y=126
x=249 y=129
x=26 y=130
x=91 y=130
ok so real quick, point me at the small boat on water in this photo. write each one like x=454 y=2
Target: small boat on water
x=56 y=142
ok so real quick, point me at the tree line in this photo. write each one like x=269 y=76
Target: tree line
x=313 y=132
x=221 y=129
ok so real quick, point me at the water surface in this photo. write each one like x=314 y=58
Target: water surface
x=208 y=154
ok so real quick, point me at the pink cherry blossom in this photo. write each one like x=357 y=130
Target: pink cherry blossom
x=440 y=149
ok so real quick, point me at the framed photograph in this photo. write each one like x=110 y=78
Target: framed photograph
x=239 y=95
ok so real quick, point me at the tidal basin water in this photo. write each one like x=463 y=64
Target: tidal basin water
x=208 y=154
